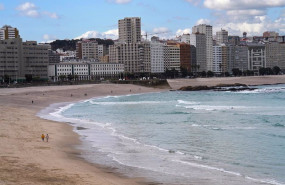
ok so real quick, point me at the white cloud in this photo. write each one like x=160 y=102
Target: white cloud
x=120 y=1
x=51 y=15
x=1 y=7
x=183 y=31
x=242 y=4
x=30 y=10
x=110 y=34
x=203 y=21
x=250 y=12
x=48 y=38
x=160 y=30
x=195 y=2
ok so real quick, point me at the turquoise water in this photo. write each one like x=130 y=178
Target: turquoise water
x=174 y=137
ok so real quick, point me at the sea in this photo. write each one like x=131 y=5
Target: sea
x=178 y=137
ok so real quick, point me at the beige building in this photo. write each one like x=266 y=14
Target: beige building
x=18 y=59
x=207 y=30
x=8 y=32
x=134 y=56
x=172 y=57
x=87 y=49
x=222 y=37
x=275 y=54
x=130 y=30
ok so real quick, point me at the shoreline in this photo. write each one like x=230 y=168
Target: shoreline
x=59 y=161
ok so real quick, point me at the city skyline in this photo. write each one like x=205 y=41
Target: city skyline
x=45 y=21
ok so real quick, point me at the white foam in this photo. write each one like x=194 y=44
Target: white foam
x=187 y=102
x=124 y=103
x=207 y=167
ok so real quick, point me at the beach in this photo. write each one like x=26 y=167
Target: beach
x=26 y=159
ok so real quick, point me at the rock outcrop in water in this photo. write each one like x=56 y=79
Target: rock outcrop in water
x=219 y=87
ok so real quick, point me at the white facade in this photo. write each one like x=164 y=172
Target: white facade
x=106 y=69
x=157 y=57
x=256 y=58
x=102 y=50
x=222 y=37
x=8 y=32
x=208 y=31
x=84 y=71
x=185 y=38
x=217 y=59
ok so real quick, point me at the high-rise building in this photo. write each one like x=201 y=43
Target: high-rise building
x=234 y=40
x=275 y=54
x=8 y=32
x=130 y=30
x=256 y=57
x=185 y=38
x=172 y=57
x=199 y=41
x=87 y=49
x=18 y=59
x=157 y=51
x=241 y=58
x=134 y=56
x=208 y=31
x=222 y=37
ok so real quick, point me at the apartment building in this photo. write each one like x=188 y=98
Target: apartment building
x=8 y=32
x=222 y=37
x=208 y=31
x=87 y=49
x=241 y=58
x=275 y=54
x=130 y=30
x=18 y=59
x=157 y=51
x=134 y=56
x=172 y=57
x=256 y=57
x=198 y=40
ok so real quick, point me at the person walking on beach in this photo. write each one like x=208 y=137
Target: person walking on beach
x=43 y=137
x=47 y=137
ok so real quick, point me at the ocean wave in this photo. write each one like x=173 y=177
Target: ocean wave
x=278 y=125
x=187 y=102
x=214 y=108
x=263 y=90
x=123 y=103
x=207 y=167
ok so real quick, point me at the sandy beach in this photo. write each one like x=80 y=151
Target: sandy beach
x=26 y=159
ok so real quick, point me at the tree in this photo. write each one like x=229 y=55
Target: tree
x=29 y=78
x=62 y=77
x=70 y=77
x=184 y=71
x=210 y=74
x=276 y=70
x=7 y=78
x=269 y=71
x=227 y=74
x=236 y=72
x=203 y=74
x=262 y=71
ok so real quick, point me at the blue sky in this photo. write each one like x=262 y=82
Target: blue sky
x=46 y=20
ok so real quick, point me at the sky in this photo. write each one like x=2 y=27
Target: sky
x=48 y=20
